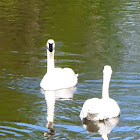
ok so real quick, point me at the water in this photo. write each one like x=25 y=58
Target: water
x=88 y=34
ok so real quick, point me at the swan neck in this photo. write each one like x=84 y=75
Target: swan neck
x=50 y=61
x=105 y=87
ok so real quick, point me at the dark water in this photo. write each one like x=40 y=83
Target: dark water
x=89 y=34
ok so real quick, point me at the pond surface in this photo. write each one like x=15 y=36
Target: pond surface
x=89 y=34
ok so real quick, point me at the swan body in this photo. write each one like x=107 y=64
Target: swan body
x=101 y=109
x=57 y=78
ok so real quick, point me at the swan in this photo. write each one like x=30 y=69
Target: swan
x=104 y=108
x=57 y=78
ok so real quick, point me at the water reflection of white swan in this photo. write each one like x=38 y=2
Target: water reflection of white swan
x=103 y=127
x=57 y=78
x=50 y=97
x=100 y=109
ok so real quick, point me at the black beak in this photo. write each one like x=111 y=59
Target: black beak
x=50 y=47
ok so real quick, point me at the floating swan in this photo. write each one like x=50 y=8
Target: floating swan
x=57 y=78
x=100 y=109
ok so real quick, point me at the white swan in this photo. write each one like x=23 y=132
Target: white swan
x=57 y=78
x=100 y=109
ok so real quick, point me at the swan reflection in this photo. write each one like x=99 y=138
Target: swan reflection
x=51 y=97
x=103 y=127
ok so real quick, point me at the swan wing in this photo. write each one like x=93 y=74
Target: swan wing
x=90 y=109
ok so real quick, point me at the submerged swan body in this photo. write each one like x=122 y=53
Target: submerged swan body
x=100 y=109
x=57 y=78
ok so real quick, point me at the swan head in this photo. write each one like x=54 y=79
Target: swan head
x=107 y=69
x=50 y=45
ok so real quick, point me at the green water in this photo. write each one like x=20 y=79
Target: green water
x=89 y=34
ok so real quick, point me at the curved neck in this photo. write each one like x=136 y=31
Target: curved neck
x=50 y=61
x=105 y=87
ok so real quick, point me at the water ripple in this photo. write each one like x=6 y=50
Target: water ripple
x=13 y=129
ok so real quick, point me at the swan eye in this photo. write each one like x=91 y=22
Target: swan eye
x=50 y=47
